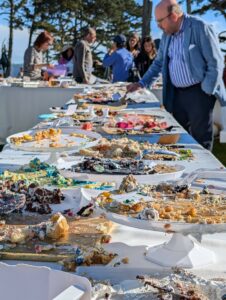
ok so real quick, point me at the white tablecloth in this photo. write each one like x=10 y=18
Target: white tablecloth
x=20 y=107
x=126 y=241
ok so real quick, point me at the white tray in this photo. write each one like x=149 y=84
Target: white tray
x=25 y=282
x=117 y=178
x=180 y=227
x=182 y=250
x=80 y=142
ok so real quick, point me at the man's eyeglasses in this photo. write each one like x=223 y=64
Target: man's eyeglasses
x=160 y=20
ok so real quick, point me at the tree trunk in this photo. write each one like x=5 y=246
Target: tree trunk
x=188 y=5
x=146 y=17
x=34 y=23
x=10 y=45
x=30 y=36
x=75 y=32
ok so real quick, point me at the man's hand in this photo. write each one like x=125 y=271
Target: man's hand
x=133 y=87
x=97 y=63
x=112 y=49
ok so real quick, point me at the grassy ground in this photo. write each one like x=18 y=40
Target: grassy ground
x=219 y=150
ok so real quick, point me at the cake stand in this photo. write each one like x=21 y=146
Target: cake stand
x=67 y=142
x=183 y=249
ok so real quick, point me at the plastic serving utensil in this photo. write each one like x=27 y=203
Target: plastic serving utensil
x=157 y=151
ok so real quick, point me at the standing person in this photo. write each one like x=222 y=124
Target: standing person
x=83 y=60
x=146 y=57
x=33 y=56
x=133 y=44
x=119 y=58
x=66 y=58
x=190 y=60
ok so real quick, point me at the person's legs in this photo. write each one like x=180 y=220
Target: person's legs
x=179 y=111
x=193 y=109
x=78 y=80
x=201 y=117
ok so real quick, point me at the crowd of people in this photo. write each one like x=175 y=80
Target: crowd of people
x=126 y=60
x=189 y=59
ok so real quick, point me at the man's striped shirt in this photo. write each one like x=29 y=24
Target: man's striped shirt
x=179 y=72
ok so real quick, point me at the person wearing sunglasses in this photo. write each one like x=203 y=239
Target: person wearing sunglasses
x=33 y=56
x=191 y=64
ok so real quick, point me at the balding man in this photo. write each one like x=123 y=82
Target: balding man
x=83 y=60
x=191 y=63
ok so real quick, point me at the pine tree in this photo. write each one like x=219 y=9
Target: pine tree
x=12 y=9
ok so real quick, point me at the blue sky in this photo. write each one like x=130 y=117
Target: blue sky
x=21 y=36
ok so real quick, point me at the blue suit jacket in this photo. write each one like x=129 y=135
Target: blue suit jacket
x=203 y=57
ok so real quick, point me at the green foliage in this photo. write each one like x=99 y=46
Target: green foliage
x=202 y=6
x=64 y=19
x=12 y=10
x=218 y=6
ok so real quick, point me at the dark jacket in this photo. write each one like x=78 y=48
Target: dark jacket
x=142 y=63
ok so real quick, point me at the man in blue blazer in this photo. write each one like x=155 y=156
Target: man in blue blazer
x=191 y=64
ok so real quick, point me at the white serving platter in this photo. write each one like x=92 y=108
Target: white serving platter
x=26 y=282
x=117 y=178
x=90 y=139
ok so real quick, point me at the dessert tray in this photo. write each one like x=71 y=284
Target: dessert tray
x=137 y=124
x=170 y=208
x=102 y=95
x=40 y=174
x=81 y=114
x=53 y=138
x=84 y=105
x=112 y=94
x=128 y=148
x=112 y=170
x=10 y=202
x=73 y=242
x=45 y=223
x=97 y=97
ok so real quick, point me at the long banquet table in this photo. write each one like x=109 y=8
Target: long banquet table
x=128 y=241
x=20 y=107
